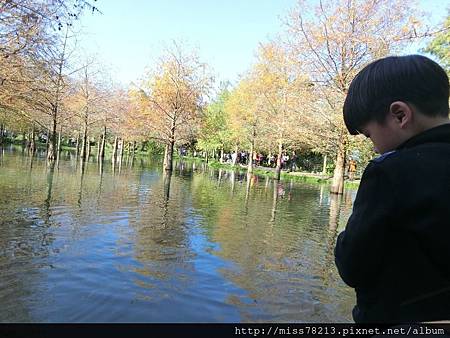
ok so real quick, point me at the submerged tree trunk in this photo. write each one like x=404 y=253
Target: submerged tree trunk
x=48 y=138
x=88 y=148
x=168 y=156
x=324 y=167
x=103 y=144
x=250 y=157
x=58 y=148
x=24 y=138
x=33 y=140
x=120 y=149
x=252 y=149
x=99 y=147
x=84 y=143
x=128 y=148
x=120 y=153
x=278 y=167
x=337 y=185
x=234 y=158
x=59 y=139
x=114 y=154
x=77 y=145
x=2 y=128
x=221 y=155
x=168 y=153
x=51 y=139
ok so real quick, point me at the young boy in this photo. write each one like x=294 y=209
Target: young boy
x=395 y=250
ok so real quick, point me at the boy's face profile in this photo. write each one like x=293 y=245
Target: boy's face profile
x=395 y=98
x=393 y=131
x=402 y=122
x=382 y=136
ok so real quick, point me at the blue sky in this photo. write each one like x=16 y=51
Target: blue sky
x=128 y=36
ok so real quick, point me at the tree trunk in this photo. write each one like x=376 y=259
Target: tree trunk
x=324 y=167
x=120 y=153
x=252 y=149
x=214 y=154
x=278 y=167
x=250 y=158
x=128 y=148
x=120 y=149
x=33 y=141
x=88 y=148
x=114 y=154
x=2 y=128
x=28 y=140
x=99 y=144
x=84 y=143
x=48 y=138
x=103 y=144
x=77 y=145
x=221 y=155
x=59 y=138
x=168 y=156
x=206 y=156
x=167 y=176
x=58 y=148
x=133 y=151
x=236 y=154
x=337 y=185
x=51 y=150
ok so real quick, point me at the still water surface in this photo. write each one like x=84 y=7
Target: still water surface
x=100 y=244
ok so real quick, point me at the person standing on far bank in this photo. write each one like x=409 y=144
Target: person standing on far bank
x=395 y=249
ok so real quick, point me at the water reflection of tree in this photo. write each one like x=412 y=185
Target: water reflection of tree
x=275 y=200
x=167 y=179
x=80 y=190
x=47 y=202
x=150 y=218
x=335 y=203
x=276 y=244
x=161 y=239
x=27 y=234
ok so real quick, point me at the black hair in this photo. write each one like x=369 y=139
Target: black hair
x=413 y=79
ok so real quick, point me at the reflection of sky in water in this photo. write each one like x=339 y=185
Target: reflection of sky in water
x=109 y=247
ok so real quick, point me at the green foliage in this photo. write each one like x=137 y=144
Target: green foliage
x=440 y=45
x=214 y=130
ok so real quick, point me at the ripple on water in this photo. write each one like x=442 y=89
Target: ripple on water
x=121 y=247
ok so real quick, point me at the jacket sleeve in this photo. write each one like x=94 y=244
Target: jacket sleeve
x=359 y=250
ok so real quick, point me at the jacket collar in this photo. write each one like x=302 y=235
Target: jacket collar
x=439 y=134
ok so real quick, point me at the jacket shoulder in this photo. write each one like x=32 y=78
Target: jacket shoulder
x=384 y=156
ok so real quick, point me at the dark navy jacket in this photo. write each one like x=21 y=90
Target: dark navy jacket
x=395 y=250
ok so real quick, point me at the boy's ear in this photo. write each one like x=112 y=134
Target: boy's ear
x=401 y=112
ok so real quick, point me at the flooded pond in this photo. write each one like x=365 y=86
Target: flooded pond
x=94 y=243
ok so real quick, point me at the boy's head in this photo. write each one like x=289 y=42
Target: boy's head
x=395 y=98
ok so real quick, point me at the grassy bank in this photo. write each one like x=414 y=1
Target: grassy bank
x=304 y=177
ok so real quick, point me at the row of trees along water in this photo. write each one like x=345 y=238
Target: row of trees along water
x=289 y=100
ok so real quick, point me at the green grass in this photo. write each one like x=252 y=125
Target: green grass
x=268 y=172
x=285 y=176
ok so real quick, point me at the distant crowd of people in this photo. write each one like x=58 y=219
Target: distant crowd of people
x=288 y=162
